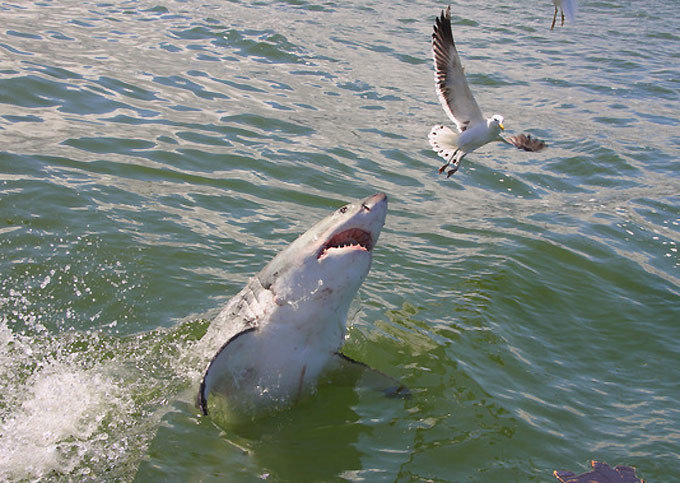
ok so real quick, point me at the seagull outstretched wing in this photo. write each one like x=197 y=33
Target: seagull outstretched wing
x=452 y=87
x=525 y=142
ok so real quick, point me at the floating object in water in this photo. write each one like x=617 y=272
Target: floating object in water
x=601 y=473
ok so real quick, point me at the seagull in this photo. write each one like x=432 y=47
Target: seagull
x=566 y=6
x=459 y=104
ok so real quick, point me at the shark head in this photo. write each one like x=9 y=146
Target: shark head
x=328 y=263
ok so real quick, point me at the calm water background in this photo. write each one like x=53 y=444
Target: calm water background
x=155 y=154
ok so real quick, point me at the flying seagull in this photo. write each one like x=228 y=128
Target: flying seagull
x=566 y=6
x=456 y=98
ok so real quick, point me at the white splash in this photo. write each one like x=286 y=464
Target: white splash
x=74 y=405
x=61 y=411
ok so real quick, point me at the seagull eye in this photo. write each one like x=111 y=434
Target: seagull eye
x=343 y=209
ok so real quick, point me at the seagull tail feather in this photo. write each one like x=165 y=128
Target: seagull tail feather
x=444 y=141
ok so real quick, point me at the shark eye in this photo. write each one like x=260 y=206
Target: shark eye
x=344 y=209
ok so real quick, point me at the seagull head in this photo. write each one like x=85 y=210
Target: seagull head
x=497 y=120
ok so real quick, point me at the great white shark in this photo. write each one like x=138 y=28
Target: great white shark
x=284 y=330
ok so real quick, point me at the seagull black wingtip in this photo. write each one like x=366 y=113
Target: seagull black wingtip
x=526 y=143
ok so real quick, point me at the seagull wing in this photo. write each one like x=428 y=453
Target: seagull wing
x=525 y=142
x=452 y=87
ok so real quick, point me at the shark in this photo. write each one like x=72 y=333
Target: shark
x=284 y=330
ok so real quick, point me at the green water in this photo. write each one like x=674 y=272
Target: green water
x=155 y=155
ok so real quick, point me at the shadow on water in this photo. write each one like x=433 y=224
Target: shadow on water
x=313 y=441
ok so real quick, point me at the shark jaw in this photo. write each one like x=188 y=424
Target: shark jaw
x=282 y=332
x=352 y=239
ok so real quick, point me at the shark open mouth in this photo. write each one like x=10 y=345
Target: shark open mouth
x=356 y=238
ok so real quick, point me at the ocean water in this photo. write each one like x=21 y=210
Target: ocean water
x=154 y=155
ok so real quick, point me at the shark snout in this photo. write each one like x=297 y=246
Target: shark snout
x=374 y=211
x=374 y=200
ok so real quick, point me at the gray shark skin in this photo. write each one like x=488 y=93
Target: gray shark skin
x=283 y=331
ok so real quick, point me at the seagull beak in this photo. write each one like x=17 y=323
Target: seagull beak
x=501 y=126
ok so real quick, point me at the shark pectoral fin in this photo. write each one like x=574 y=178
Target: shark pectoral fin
x=229 y=367
x=346 y=367
x=397 y=392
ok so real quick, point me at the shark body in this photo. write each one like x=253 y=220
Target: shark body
x=283 y=331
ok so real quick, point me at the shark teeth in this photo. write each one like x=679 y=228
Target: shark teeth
x=354 y=237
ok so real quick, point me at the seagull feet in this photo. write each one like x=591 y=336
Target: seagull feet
x=452 y=160
x=449 y=172
x=554 y=18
